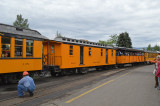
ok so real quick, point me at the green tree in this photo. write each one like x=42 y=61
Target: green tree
x=143 y=48
x=156 y=48
x=103 y=42
x=124 y=40
x=21 y=22
x=149 y=48
x=112 y=41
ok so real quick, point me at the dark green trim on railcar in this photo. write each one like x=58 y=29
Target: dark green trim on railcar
x=18 y=58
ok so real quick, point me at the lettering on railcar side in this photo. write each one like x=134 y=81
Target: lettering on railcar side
x=25 y=63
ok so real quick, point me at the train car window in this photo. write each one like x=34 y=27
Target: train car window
x=117 y=53
x=5 y=46
x=18 y=47
x=29 y=48
x=63 y=39
x=112 y=52
x=71 y=47
x=71 y=50
x=89 y=51
x=101 y=52
x=52 y=49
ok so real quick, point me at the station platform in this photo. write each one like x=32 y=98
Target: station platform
x=132 y=88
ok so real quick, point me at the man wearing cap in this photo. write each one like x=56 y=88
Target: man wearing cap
x=26 y=84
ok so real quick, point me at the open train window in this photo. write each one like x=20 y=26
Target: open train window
x=71 y=50
x=112 y=52
x=68 y=39
x=5 y=46
x=101 y=52
x=89 y=51
x=52 y=49
x=18 y=47
x=63 y=39
x=29 y=48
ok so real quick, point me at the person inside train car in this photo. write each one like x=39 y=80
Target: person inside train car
x=119 y=53
x=5 y=54
x=26 y=84
x=158 y=72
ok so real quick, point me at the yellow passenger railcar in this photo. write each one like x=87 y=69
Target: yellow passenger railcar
x=21 y=50
x=129 y=55
x=150 y=56
x=72 y=54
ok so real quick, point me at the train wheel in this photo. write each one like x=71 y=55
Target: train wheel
x=55 y=74
x=63 y=73
x=99 y=69
x=83 y=70
x=4 y=79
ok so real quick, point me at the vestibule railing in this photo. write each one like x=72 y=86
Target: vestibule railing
x=50 y=59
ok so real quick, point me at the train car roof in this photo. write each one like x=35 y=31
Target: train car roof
x=81 y=42
x=8 y=30
x=152 y=51
x=128 y=49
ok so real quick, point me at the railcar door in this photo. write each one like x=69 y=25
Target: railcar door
x=81 y=54
x=106 y=56
x=48 y=53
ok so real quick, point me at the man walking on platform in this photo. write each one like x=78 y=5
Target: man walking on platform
x=26 y=84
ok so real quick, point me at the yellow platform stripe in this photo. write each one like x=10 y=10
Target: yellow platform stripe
x=95 y=88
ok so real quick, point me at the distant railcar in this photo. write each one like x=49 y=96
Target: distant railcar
x=150 y=56
x=129 y=55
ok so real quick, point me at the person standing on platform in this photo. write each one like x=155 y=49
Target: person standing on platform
x=158 y=73
x=26 y=84
x=155 y=70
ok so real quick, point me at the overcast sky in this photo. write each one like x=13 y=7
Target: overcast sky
x=92 y=20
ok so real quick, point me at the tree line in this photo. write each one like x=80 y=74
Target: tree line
x=121 y=40
x=154 y=48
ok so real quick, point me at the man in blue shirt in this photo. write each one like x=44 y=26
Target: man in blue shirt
x=26 y=84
